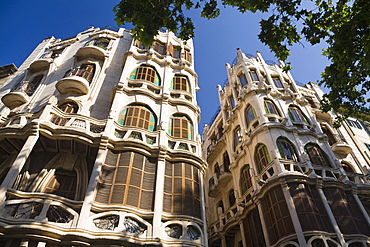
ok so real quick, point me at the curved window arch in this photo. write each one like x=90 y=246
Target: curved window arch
x=245 y=178
x=250 y=114
x=180 y=82
x=226 y=160
x=331 y=138
x=181 y=126
x=242 y=79
x=232 y=198
x=317 y=156
x=146 y=72
x=262 y=157
x=347 y=167
x=237 y=136
x=217 y=170
x=286 y=149
x=62 y=183
x=33 y=85
x=138 y=116
x=86 y=71
x=69 y=107
x=296 y=115
x=270 y=107
x=220 y=205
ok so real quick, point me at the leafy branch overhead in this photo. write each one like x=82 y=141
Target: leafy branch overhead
x=343 y=24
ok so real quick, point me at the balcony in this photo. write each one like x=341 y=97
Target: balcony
x=18 y=96
x=219 y=180
x=94 y=48
x=340 y=147
x=217 y=143
x=41 y=64
x=75 y=80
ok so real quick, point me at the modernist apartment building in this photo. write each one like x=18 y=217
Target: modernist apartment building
x=278 y=173
x=99 y=144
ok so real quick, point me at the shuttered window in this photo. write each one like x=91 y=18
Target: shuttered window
x=317 y=156
x=246 y=179
x=62 y=183
x=175 y=51
x=137 y=116
x=262 y=157
x=187 y=55
x=181 y=189
x=181 y=127
x=180 y=82
x=147 y=73
x=128 y=179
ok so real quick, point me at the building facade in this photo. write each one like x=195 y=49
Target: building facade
x=278 y=173
x=99 y=144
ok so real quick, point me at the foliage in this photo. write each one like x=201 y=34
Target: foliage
x=343 y=24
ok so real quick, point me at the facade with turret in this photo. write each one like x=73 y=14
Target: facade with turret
x=278 y=173
x=99 y=144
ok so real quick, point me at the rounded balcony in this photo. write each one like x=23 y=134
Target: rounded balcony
x=15 y=99
x=76 y=80
x=41 y=64
x=95 y=48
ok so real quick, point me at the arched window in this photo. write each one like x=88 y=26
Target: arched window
x=270 y=107
x=331 y=138
x=62 y=183
x=286 y=149
x=277 y=82
x=220 y=206
x=217 y=170
x=243 y=80
x=245 y=178
x=147 y=73
x=69 y=107
x=138 y=116
x=232 y=198
x=226 y=160
x=86 y=71
x=296 y=115
x=262 y=157
x=180 y=82
x=253 y=74
x=250 y=114
x=181 y=126
x=237 y=136
x=33 y=85
x=317 y=156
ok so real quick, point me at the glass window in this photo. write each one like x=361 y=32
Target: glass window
x=175 y=51
x=232 y=101
x=250 y=114
x=62 y=183
x=296 y=115
x=188 y=56
x=232 y=198
x=317 y=156
x=226 y=161
x=138 y=116
x=353 y=123
x=220 y=205
x=254 y=75
x=237 y=136
x=277 y=82
x=86 y=71
x=146 y=73
x=243 y=79
x=181 y=126
x=140 y=45
x=181 y=189
x=180 y=82
x=262 y=157
x=33 y=85
x=286 y=149
x=270 y=107
x=331 y=138
x=159 y=47
x=246 y=179
x=69 y=107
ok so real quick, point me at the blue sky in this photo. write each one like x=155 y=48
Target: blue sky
x=25 y=23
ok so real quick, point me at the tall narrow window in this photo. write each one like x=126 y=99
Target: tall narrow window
x=181 y=189
x=277 y=82
x=286 y=149
x=69 y=107
x=160 y=47
x=128 y=179
x=180 y=82
x=138 y=116
x=262 y=157
x=175 y=51
x=220 y=206
x=232 y=198
x=246 y=179
x=250 y=114
x=243 y=80
x=181 y=126
x=33 y=85
x=296 y=115
x=187 y=55
x=254 y=75
x=140 y=45
x=317 y=156
x=62 y=183
x=237 y=136
x=331 y=138
x=232 y=101
x=86 y=71
x=270 y=107
x=147 y=73
x=217 y=170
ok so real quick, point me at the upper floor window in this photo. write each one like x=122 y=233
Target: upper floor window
x=187 y=55
x=232 y=101
x=262 y=157
x=159 y=47
x=101 y=43
x=277 y=82
x=270 y=107
x=86 y=71
x=232 y=198
x=69 y=107
x=226 y=161
x=237 y=136
x=253 y=74
x=140 y=45
x=62 y=183
x=33 y=85
x=147 y=73
x=245 y=179
x=138 y=116
x=317 y=156
x=331 y=138
x=220 y=206
x=175 y=51
x=250 y=114
x=296 y=115
x=286 y=149
x=243 y=80
x=180 y=82
x=353 y=123
x=181 y=126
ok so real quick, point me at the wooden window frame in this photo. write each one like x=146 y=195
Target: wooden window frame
x=286 y=149
x=245 y=179
x=181 y=82
x=62 y=183
x=270 y=107
x=33 y=85
x=181 y=127
x=262 y=157
x=317 y=156
x=138 y=116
